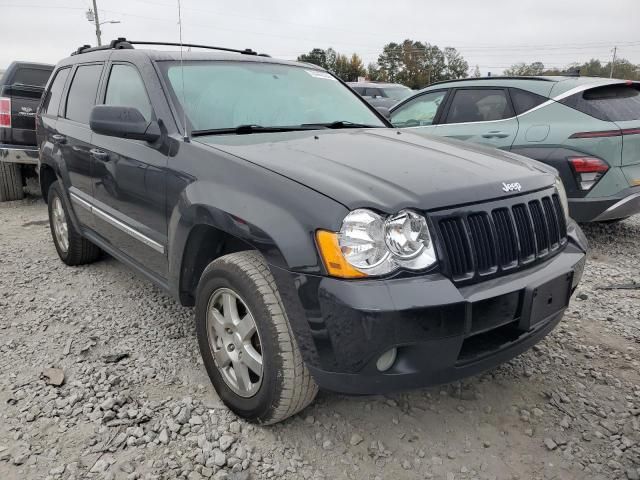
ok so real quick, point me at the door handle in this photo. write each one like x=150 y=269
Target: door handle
x=59 y=139
x=495 y=134
x=99 y=155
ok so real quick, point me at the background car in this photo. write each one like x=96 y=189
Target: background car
x=587 y=128
x=21 y=87
x=381 y=94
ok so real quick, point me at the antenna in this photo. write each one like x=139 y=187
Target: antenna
x=184 y=103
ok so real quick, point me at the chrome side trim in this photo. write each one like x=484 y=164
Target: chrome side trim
x=117 y=223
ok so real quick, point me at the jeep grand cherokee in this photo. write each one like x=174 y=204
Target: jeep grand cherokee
x=319 y=246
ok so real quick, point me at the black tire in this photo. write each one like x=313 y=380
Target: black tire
x=80 y=251
x=11 y=187
x=286 y=386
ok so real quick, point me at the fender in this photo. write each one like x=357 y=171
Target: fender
x=275 y=215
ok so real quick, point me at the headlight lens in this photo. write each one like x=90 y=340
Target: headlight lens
x=361 y=241
x=376 y=245
x=562 y=193
x=409 y=241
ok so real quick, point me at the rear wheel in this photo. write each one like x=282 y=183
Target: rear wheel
x=11 y=187
x=73 y=248
x=246 y=343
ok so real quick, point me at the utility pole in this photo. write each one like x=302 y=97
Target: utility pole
x=613 y=61
x=97 y=22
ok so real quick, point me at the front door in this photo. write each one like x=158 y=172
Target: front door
x=480 y=115
x=129 y=184
x=420 y=112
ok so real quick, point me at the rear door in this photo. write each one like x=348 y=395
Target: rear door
x=481 y=115
x=73 y=136
x=420 y=113
x=129 y=178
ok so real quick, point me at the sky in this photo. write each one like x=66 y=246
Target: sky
x=492 y=34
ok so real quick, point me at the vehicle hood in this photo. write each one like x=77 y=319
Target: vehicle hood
x=385 y=168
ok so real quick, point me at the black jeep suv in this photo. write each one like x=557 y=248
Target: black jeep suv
x=320 y=246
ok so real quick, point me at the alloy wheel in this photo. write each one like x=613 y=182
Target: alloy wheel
x=235 y=342
x=60 y=226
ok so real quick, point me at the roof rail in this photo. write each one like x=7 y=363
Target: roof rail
x=497 y=77
x=123 y=43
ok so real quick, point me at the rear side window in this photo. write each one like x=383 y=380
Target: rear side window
x=51 y=102
x=524 y=101
x=31 y=76
x=82 y=93
x=479 y=105
x=125 y=89
x=612 y=103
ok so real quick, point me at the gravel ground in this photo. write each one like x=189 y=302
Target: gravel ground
x=136 y=402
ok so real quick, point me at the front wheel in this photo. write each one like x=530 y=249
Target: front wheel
x=246 y=343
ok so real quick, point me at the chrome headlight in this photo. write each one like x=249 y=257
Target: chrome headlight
x=562 y=193
x=376 y=245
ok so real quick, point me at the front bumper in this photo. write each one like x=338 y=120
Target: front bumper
x=599 y=209
x=442 y=332
x=18 y=154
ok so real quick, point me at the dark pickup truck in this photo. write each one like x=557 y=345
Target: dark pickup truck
x=21 y=88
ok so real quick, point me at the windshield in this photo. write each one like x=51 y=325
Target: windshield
x=228 y=94
x=398 y=93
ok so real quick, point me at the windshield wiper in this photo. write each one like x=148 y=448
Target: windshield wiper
x=247 y=129
x=340 y=124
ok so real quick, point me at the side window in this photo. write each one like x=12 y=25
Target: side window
x=479 y=106
x=359 y=90
x=418 y=112
x=524 y=101
x=125 y=89
x=82 y=93
x=51 y=102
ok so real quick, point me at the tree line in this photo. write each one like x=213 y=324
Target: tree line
x=622 y=68
x=418 y=64
x=412 y=63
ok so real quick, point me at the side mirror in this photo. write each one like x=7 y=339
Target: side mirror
x=385 y=112
x=123 y=122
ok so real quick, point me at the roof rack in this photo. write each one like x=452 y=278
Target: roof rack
x=496 y=77
x=123 y=43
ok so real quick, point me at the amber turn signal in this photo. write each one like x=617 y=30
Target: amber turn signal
x=332 y=257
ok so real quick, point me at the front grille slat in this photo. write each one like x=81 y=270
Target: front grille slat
x=486 y=241
x=539 y=228
x=456 y=245
x=552 y=222
x=525 y=233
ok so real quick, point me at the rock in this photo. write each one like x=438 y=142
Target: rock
x=219 y=458
x=101 y=465
x=127 y=467
x=163 y=438
x=57 y=470
x=21 y=458
x=53 y=376
x=550 y=444
x=225 y=442
x=355 y=440
x=114 y=357
x=632 y=474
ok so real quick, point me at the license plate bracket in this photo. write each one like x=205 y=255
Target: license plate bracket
x=542 y=301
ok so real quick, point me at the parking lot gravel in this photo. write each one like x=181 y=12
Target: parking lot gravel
x=100 y=377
